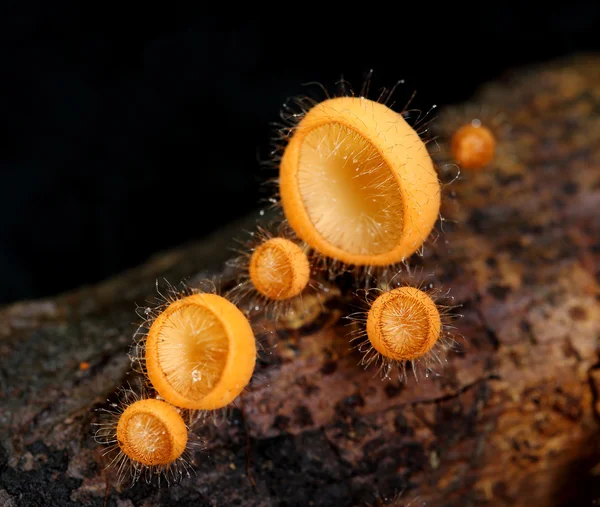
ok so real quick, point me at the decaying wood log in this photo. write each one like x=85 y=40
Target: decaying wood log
x=513 y=419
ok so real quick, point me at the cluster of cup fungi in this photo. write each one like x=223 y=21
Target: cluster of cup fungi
x=359 y=193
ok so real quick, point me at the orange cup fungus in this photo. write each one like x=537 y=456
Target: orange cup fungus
x=151 y=432
x=274 y=275
x=200 y=352
x=403 y=324
x=473 y=146
x=357 y=183
x=279 y=269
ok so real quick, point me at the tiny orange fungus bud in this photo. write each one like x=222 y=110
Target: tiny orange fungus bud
x=473 y=146
x=403 y=324
x=200 y=352
x=151 y=432
x=84 y=365
x=357 y=183
x=279 y=269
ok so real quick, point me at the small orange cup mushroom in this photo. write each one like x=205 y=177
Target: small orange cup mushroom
x=200 y=352
x=276 y=276
x=279 y=269
x=146 y=437
x=357 y=183
x=152 y=432
x=403 y=324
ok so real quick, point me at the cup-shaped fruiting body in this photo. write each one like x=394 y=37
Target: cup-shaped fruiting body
x=200 y=352
x=276 y=277
x=473 y=146
x=145 y=437
x=279 y=269
x=357 y=183
x=152 y=432
x=403 y=324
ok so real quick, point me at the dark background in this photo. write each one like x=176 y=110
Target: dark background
x=126 y=132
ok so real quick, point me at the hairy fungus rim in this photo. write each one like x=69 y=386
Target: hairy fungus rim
x=349 y=112
x=171 y=422
x=374 y=320
x=241 y=356
x=296 y=260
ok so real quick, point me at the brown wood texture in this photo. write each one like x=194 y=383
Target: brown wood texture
x=512 y=419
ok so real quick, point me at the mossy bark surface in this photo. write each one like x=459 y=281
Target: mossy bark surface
x=513 y=418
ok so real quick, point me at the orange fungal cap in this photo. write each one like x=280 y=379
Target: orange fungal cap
x=357 y=183
x=403 y=324
x=279 y=269
x=151 y=432
x=473 y=146
x=200 y=352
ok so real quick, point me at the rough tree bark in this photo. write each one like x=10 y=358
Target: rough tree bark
x=513 y=419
